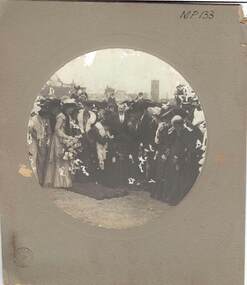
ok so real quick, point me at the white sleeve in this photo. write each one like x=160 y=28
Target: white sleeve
x=80 y=121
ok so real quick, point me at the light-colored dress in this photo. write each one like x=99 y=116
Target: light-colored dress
x=58 y=173
x=101 y=148
x=85 y=123
x=38 y=139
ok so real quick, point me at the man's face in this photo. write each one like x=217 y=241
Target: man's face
x=121 y=108
x=83 y=97
x=111 y=109
x=178 y=126
x=101 y=114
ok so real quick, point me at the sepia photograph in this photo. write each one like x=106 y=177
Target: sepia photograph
x=118 y=136
x=122 y=143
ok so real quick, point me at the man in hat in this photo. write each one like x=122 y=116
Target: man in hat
x=139 y=97
x=111 y=100
x=80 y=95
x=118 y=120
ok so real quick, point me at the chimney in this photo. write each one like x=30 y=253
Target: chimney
x=155 y=90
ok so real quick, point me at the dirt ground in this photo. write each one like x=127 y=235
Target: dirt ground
x=134 y=209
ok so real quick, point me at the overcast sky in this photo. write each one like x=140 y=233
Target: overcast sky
x=122 y=69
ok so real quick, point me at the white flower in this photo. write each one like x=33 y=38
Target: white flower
x=141 y=164
x=83 y=168
x=131 y=180
x=36 y=108
x=198 y=144
x=29 y=139
x=65 y=157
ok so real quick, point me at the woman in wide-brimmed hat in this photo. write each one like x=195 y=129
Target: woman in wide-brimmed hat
x=58 y=173
x=39 y=133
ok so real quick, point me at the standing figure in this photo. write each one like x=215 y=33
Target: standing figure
x=111 y=100
x=122 y=166
x=101 y=137
x=79 y=94
x=117 y=120
x=147 y=130
x=58 y=173
x=86 y=119
x=118 y=158
x=88 y=156
x=182 y=143
x=159 y=190
x=39 y=133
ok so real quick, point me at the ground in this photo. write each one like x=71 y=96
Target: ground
x=134 y=208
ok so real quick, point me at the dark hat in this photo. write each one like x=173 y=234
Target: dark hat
x=46 y=105
x=69 y=103
x=53 y=103
x=167 y=115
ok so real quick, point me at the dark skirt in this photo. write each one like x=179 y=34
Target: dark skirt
x=89 y=159
x=42 y=162
x=159 y=187
x=116 y=172
x=179 y=181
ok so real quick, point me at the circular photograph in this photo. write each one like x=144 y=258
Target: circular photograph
x=116 y=137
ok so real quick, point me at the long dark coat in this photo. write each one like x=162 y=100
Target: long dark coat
x=159 y=189
x=179 y=171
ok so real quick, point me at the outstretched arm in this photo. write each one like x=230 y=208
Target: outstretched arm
x=59 y=130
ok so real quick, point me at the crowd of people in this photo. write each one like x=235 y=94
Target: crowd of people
x=137 y=144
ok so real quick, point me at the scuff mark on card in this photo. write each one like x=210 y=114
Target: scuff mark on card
x=25 y=171
x=243 y=14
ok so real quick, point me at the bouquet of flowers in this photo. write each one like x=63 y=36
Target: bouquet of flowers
x=78 y=165
x=72 y=147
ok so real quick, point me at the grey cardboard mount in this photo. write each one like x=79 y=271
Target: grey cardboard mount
x=200 y=241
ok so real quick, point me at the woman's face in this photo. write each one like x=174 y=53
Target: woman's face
x=69 y=110
x=101 y=114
